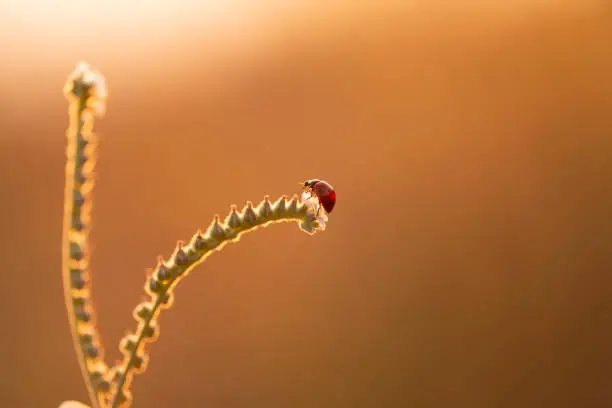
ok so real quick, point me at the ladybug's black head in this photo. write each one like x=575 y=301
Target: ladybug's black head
x=310 y=183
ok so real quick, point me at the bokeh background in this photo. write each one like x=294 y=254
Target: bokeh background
x=467 y=262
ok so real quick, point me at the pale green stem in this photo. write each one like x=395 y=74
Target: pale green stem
x=167 y=275
x=84 y=90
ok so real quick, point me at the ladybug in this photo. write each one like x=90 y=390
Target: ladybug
x=324 y=192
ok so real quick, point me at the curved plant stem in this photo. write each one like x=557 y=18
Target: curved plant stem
x=166 y=276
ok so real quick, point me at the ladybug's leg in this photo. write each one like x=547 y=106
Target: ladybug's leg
x=319 y=209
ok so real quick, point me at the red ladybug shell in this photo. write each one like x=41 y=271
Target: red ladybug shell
x=324 y=192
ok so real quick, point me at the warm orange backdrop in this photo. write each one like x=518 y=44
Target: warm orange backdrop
x=467 y=262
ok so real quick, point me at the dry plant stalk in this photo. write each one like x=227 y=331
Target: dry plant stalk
x=86 y=93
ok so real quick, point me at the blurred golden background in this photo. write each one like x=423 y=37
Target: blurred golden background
x=467 y=262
